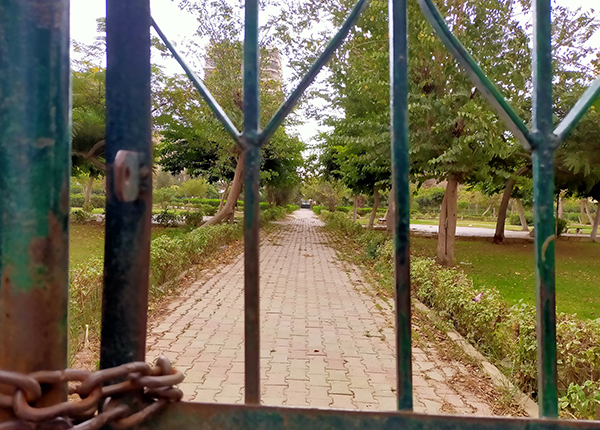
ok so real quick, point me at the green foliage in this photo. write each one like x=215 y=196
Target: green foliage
x=318 y=209
x=81 y=217
x=291 y=208
x=344 y=209
x=582 y=400
x=193 y=218
x=163 y=180
x=506 y=334
x=169 y=256
x=77 y=201
x=195 y=188
x=324 y=192
x=561 y=226
x=163 y=196
x=273 y=213
x=167 y=218
x=514 y=219
x=430 y=199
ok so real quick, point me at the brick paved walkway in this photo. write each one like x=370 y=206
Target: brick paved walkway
x=324 y=343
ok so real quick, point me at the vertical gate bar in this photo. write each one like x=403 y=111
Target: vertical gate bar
x=251 y=207
x=400 y=170
x=35 y=170
x=543 y=175
x=127 y=247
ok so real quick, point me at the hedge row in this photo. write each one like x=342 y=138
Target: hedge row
x=169 y=256
x=505 y=334
x=78 y=200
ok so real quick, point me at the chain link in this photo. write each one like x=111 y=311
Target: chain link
x=154 y=383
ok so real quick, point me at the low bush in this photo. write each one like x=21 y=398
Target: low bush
x=193 y=218
x=209 y=210
x=169 y=256
x=78 y=200
x=291 y=208
x=573 y=217
x=167 y=218
x=318 y=209
x=515 y=219
x=506 y=334
x=561 y=226
x=81 y=217
x=273 y=213
x=343 y=209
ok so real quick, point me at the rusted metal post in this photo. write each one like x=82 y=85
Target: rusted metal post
x=35 y=172
x=129 y=184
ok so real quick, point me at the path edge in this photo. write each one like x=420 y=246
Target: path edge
x=498 y=378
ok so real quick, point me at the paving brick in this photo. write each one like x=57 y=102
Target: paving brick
x=322 y=337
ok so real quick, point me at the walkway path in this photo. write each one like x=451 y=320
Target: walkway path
x=325 y=342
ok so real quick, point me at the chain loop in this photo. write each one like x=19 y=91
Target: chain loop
x=154 y=384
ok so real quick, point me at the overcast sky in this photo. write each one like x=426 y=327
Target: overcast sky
x=178 y=25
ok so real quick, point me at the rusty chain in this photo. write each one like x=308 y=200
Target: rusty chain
x=155 y=384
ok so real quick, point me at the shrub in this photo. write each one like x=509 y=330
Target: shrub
x=430 y=198
x=515 y=219
x=209 y=210
x=506 y=334
x=81 y=217
x=167 y=218
x=343 y=209
x=77 y=200
x=193 y=218
x=273 y=213
x=318 y=209
x=561 y=226
x=169 y=256
x=291 y=208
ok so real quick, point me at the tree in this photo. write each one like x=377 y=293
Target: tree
x=89 y=113
x=196 y=142
x=454 y=133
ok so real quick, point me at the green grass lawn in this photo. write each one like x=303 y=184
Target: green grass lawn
x=510 y=268
x=87 y=240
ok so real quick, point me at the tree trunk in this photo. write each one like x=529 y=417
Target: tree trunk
x=501 y=221
x=355 y=208
x=487 y=210
x=595 y=224
x=587 y=210
x=224 y=196
x=228 y=211
x=447 y=226
x=582 y=211
x=561 y=207
x=375 y=207
x=522 y=216
x=88 y=194
x=476 y=209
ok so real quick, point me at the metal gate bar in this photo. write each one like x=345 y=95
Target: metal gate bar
x=213 y=416
x=401 y=198
x=35 y=171
x=543 y=142
x=129 y=182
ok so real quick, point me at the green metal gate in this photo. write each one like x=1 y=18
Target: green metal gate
x=34 y=213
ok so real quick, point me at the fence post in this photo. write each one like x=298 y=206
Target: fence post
x=35 y=168
x=129 y=182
